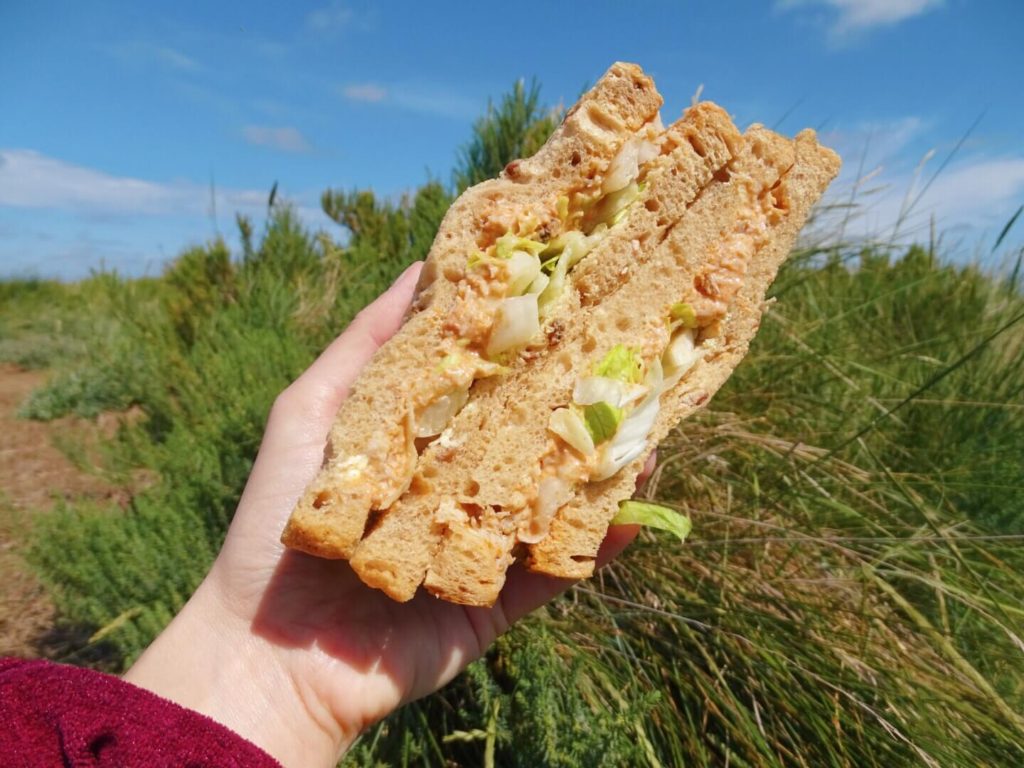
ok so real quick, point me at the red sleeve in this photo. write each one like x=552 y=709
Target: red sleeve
x=56 y=715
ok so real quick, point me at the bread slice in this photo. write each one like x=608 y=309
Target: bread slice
x=714 y=215
x=483 y=460
x=570 y=548
x=371 y=454
x=770 y=174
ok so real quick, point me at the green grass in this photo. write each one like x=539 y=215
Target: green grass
x=850 y=595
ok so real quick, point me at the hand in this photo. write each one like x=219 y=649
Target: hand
x=293 y=652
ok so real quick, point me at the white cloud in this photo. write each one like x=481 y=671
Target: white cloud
x=32 y=180
x=873 y=142
x=425 y=99
x=969 y=202
x=175 y=59
x=285 y=139
x=364 y=92
x=330 y=18
x=850 y=17
x=62 y=219
x=29 y=179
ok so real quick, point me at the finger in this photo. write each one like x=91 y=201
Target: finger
x=648 y=470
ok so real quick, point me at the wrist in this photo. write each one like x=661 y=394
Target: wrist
x=208 y=660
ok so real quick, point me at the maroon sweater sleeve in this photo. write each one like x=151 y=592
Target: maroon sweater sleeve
x=52 y=714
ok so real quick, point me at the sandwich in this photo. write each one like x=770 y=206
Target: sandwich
x=569 y=314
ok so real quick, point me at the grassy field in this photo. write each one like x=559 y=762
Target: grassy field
x=850 y=595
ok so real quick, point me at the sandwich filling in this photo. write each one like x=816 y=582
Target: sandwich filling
x=507 y=292
x=512 y=287
x=614 y=407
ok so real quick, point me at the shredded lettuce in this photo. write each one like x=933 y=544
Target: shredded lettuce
x=622 y=363
x=684 y=313
x=515 y=323
x=478 y=257
x=562 y=207
x=509 y=243
x=523 y=268
x=594 y=389
x=569 y=425
x=540 y=282
x=602 y=420
x=653 y=516
x=448 y=361
x=611 y=208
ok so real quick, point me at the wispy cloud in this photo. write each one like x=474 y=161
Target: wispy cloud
x=969 y=201
x=330 y=18
x=144 y=52
x=63 y=219
x=848 y=18
x=873 y=142
x=436 y=100
x=364 y=92
x=284 y=138
x=29 y=179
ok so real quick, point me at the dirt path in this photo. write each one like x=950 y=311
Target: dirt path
x=33 y=475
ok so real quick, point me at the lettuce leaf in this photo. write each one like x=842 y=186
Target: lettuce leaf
x=653 y=516
x=602 y=420
x=509 y=243
x=622 y=363
x=684 y=313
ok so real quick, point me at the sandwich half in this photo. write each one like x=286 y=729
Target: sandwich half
x=569 y=314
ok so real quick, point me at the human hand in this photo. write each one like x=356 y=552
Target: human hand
x=293 y=652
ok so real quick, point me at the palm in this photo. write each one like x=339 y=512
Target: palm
x=359 y=653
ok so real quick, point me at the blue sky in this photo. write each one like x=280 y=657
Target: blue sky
x=117 y=119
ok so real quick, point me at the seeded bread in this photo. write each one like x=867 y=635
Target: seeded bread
x=331 y=516
x=515 y=433
x=488 y=458
x=451 y=515
x=805 y=169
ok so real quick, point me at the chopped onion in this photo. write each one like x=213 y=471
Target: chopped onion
x=623 y=168
x=435 y=417
x=515 y=323
x=681 y=353
x=596 y=389
x=523 y=268
x=552 y=493
x=540 y=282
x=568 y=425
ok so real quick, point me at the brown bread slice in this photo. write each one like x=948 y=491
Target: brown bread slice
x=403 y=540
x=634 y=315
x=579 y=527
x=370 y=457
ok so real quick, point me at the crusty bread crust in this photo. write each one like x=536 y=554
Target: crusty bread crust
x=449 y=517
